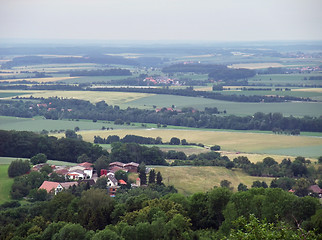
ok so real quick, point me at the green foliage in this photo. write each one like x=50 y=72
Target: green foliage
x=18 y=168
x=39 y=158
x=257 y=229
x=242 y=187
x=101 y=163
x=120 y=174
x=174 y=141
x=106 y=234
x=152 y=176
x=159 y=178
x=70 y=232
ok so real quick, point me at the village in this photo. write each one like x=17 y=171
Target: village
x=85 y=173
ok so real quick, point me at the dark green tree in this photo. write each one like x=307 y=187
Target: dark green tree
x=18 y=167
x=159 y=178
x=174 y=141
x=39 y=158
x=242 y=187
x=152 y=176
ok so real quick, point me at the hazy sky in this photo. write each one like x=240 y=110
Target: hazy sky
x=207 y=20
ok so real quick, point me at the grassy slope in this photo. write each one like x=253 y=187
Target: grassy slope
x=189 y=180
x=5 y=183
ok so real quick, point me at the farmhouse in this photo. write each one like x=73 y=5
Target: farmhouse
x=51 y=187
x=127 y=167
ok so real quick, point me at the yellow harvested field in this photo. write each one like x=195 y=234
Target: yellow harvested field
x=189 y=180
x=203 y=89
x=256 y=65
x=318 y=90
x=40 y=80
x=229 y=141
x=112 y=98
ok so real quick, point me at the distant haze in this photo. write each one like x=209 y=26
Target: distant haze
x=179 y=20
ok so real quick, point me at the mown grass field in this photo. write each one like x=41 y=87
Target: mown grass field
x=229 y=141
x=39 y=80
x=5 y=183
x=189 y=180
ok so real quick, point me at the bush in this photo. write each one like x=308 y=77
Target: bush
x=39 y=158
x=18 y=168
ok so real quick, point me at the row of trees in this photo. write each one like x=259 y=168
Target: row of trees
x=186 y=117
x=100 y=72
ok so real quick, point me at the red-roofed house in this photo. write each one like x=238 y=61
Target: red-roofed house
x=316 y=189
x=86 y=164
x=55 y=187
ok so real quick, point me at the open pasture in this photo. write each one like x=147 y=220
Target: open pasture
x=189 y=180
x=229 y=141
x=5 y=183
x=277 y=79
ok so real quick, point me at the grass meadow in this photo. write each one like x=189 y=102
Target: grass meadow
x=229 y=141
x=5 y=183
x=189 y=180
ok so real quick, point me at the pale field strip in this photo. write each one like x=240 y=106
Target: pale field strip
x=317 y=90
x=256 y=65
x=58 y=56
x=229 y=141
x=40 y=80
x=112 y=98
x=199 y=56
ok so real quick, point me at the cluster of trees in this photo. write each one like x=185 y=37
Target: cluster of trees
x=133 y=152
x=270 y=168
x=23 y=144
x=127 y=139
x=158 y=212
x=187 y=117
x=100 y=72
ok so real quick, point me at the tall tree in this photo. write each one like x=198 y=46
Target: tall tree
x=152 y=176
x=159 y=178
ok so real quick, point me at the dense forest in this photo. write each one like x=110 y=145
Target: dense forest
x=55 y=108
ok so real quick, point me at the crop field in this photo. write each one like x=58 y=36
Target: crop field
x=112 y=98
x=229 y=141
x=5 y=183
x=189 y=180
x=39 y=80
x=7 y=94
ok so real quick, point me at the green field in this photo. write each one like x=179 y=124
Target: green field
x=189 y=180
x=10 y=94
x=5 y=183
x=287 y=108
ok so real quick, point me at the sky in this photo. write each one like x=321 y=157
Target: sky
x=161 y=20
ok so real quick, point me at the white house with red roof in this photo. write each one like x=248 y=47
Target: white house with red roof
x=54 y=187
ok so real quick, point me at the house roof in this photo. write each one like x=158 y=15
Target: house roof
x=86 y=164
x=115 y=169
x=315 y=189
x=132 y=164
x=121 y=181
x=62 y=171
x=119 y=164
x=48 y=186
x=112 y=179
x=66 y=185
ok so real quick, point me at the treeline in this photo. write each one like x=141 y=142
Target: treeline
x=187 y=117
x=100 y=72
x=205 y=94
x=23 y=144
x=94 y=58
x=315 y=78
x=127 y=139
x=156 y=212
x=215 y=72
